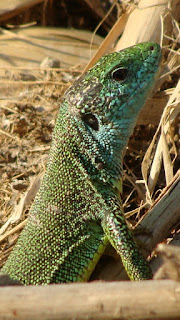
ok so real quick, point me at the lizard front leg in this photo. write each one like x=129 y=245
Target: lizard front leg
x=121 y=238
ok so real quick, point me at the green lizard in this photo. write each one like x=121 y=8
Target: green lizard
x=78 y=209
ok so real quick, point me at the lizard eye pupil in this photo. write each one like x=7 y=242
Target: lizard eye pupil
x=119 y=74
x=91 y=120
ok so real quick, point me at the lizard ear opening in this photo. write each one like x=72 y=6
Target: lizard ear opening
x=119 y=74
x=91 y=120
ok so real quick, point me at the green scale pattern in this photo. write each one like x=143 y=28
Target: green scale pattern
x=78 y=208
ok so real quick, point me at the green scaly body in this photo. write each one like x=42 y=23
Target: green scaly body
x=78 y=209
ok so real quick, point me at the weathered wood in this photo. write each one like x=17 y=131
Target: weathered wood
x=159 y=265
x=170 y=254
x=9 y=9
x=164 y=214
x=33 y=44
x=116 y=300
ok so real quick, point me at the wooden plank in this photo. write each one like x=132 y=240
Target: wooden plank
x=97 y=300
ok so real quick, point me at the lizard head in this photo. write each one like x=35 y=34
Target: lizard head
x=115 y=89
x=108 y=98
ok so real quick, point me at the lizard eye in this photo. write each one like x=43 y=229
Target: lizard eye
x=91 y=120
x=119 y=74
